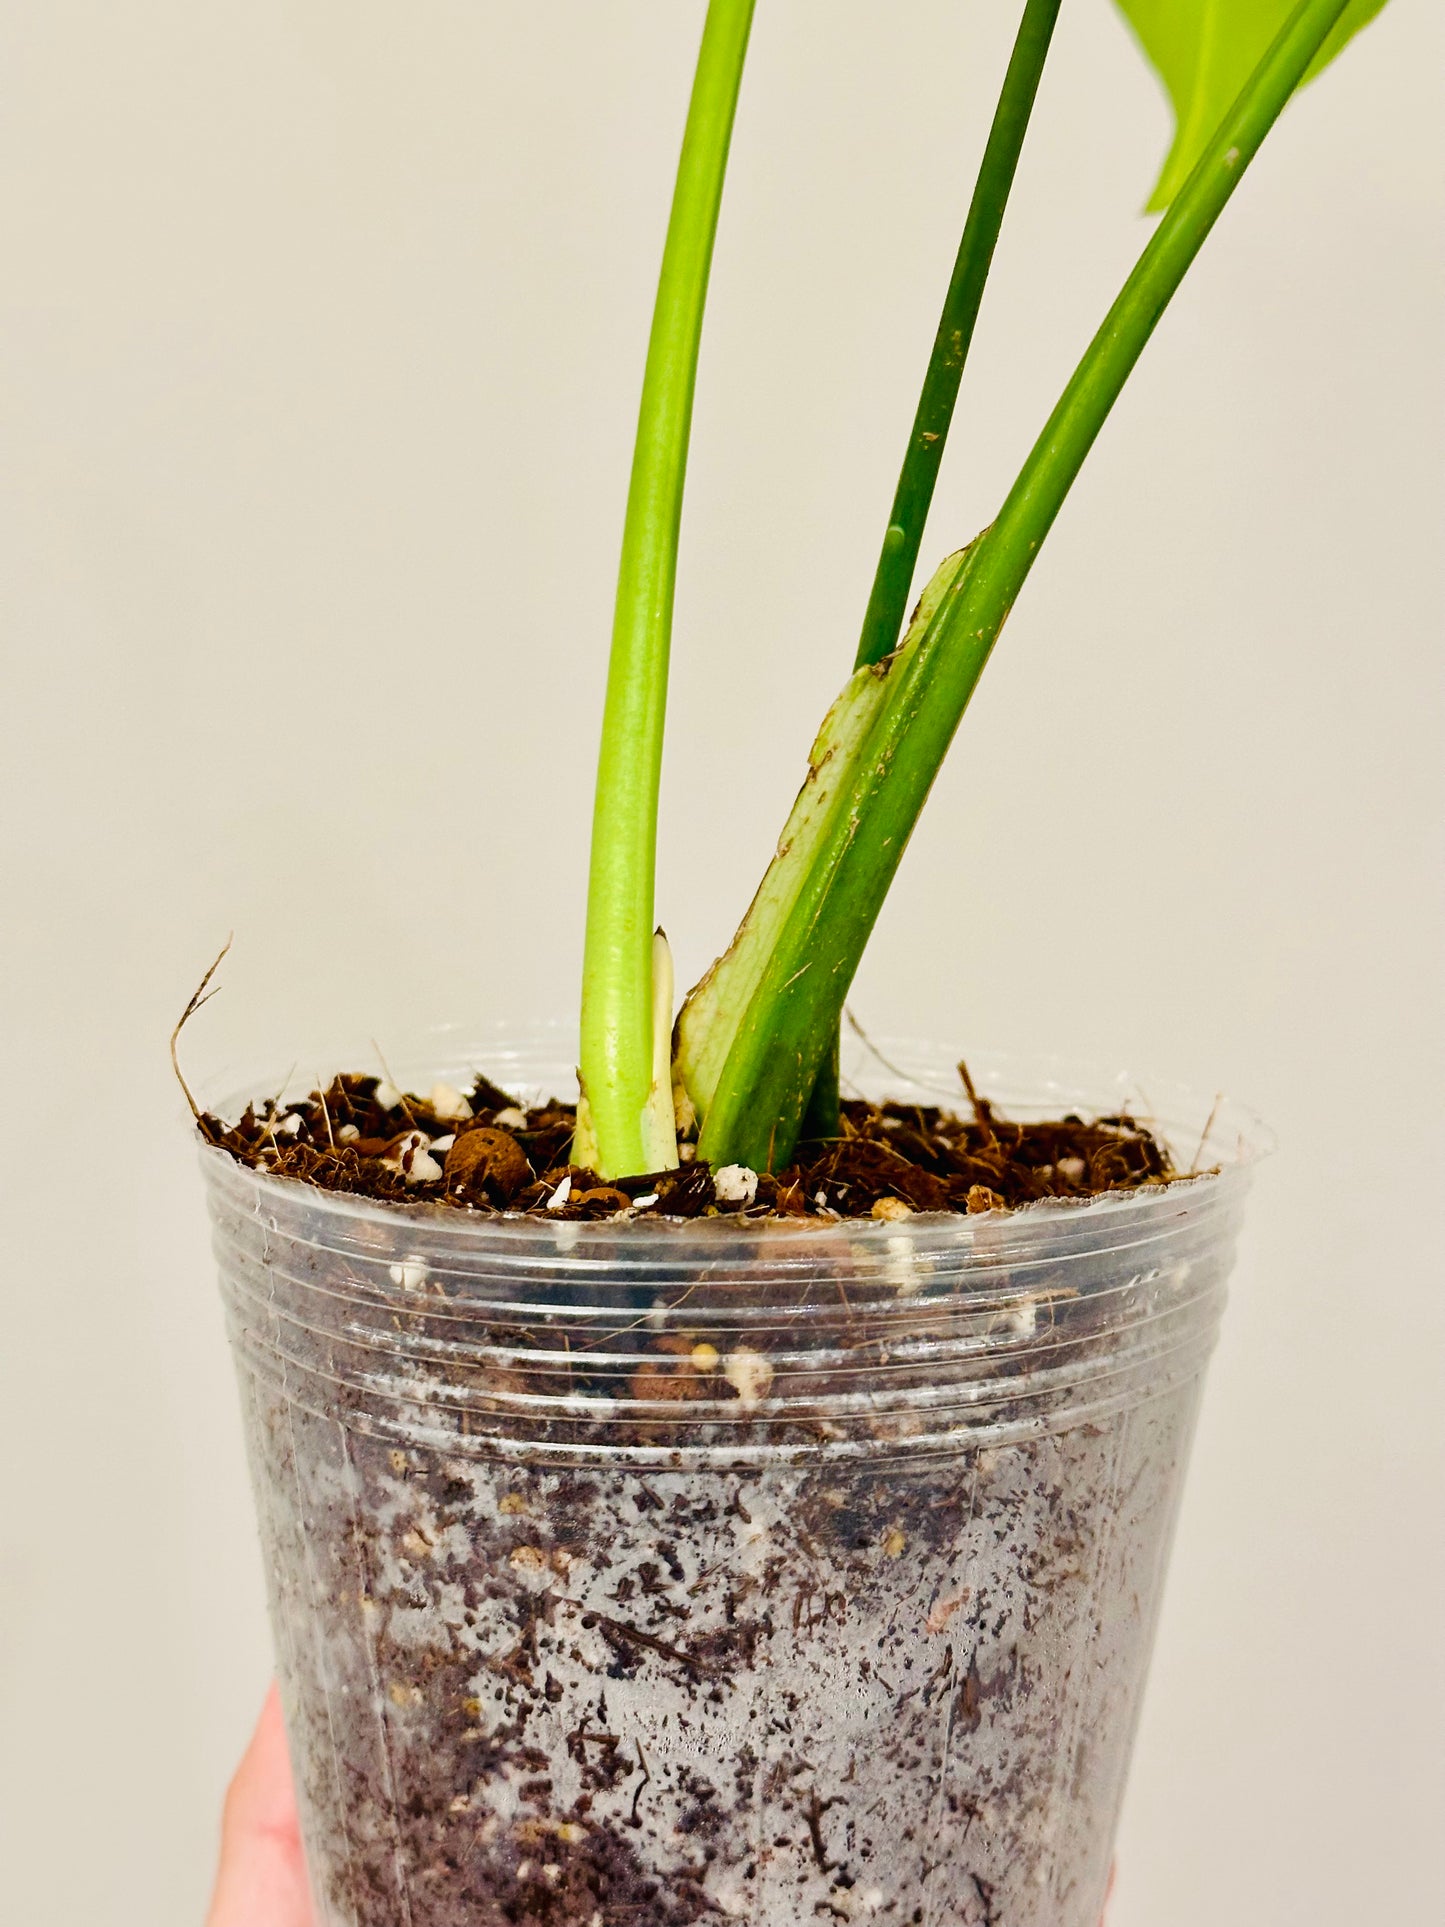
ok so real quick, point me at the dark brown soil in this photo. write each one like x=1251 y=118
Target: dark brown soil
x=890 y=1159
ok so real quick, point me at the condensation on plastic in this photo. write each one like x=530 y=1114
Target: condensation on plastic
x=988 y=1415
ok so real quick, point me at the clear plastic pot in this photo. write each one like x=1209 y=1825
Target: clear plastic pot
x=661 y=1573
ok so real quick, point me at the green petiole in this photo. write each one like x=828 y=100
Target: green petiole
x=793 y=1010
x=619 y=1121
x=888 y=601
x=913 y=497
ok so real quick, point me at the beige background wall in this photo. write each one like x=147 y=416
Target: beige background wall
x=322 y=329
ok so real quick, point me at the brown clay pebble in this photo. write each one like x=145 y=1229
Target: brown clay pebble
x=606 y=1195
x=486 y=1166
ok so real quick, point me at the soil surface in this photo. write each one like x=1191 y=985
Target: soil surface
x=485 y=1150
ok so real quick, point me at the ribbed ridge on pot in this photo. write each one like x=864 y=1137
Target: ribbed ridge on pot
x=720 y=1341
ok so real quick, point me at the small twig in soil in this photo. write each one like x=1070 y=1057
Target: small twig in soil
x=202 y=994
x=843 y=1295
x=707 y=1572
x=813 y=1814
x=1208 y=1129
x=982 y=1110
x=404 y=1107
x=644 y=1782
x=632 y=1634
x=273 y=1112
x=637 y=1324
x=869 y=1045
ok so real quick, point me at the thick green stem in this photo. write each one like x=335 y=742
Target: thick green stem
x=823 y=1113
x=794 y=1010
x=617 y=991
x=898 y=559
x=888 y=603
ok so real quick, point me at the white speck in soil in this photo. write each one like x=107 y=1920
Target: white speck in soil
x=735 y=1184
x=449 y=1103
x=749 y=1373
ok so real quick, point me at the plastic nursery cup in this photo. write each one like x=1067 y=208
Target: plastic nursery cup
x=660 y=1573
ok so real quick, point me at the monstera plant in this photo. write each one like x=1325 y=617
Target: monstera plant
x=751 y=1061
x=712 y=1501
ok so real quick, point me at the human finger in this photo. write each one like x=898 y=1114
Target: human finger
x=262 y=1877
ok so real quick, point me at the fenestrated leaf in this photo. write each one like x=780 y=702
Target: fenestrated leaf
x=1204 y=51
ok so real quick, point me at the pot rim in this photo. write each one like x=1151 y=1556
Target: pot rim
x=1020 y=1084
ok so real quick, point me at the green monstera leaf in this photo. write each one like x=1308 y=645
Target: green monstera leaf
x=1204 y=51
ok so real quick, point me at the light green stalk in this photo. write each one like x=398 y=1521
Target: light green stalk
x=793 y=1012
x=617 y=1131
